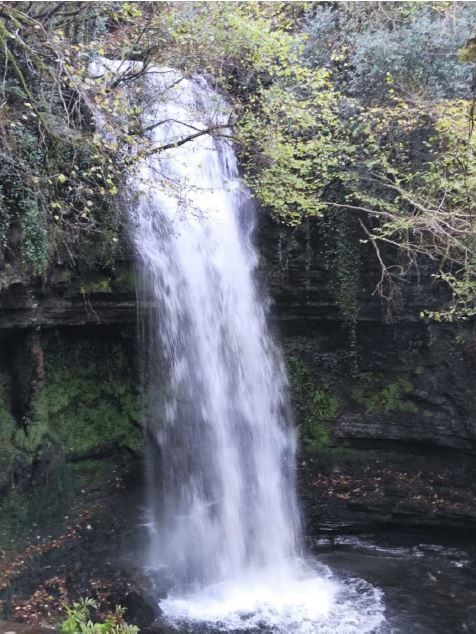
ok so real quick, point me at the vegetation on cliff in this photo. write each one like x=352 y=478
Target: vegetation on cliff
x=351 y=108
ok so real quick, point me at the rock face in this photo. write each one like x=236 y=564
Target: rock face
x=384 y=399
x=68 y=392
x=96 y=298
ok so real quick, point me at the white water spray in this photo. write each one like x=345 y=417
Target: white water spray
x=223 y=514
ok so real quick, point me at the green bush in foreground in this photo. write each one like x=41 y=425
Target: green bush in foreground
x=78 y=620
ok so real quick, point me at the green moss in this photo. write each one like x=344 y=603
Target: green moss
x=89 y=401
x=27 y=516
x=96 y=285
x=301 y=382
x=7 y=426
x=383 y=399
x=14 y=512
x=88 y=472
x=63 y=276
x=324 y=409
x=124 y=281
x=317 y=405
x=332 y=454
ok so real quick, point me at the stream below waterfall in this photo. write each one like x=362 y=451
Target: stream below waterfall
x=428 y=587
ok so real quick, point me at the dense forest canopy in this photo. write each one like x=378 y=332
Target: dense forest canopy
x=358 y=113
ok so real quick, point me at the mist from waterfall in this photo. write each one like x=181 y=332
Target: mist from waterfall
x=221 y=507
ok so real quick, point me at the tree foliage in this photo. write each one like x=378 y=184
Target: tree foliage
x=58 y=182
x=400 y=69
x=412 y=47
x=364 y=108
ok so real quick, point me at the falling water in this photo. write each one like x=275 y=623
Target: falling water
x=223 y=518
x=227 y=455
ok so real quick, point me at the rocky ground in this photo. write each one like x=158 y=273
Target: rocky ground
x=365 y=490
x=95 y=551
x=87 y=555
x=20 y=628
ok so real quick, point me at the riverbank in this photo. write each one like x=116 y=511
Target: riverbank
x=98 y=551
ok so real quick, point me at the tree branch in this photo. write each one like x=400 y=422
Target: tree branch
x=191 y=137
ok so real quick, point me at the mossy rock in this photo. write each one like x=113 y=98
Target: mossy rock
x=89 y=401
x=317 y=427
x=95 y=285
x=89 y=405
x=7 y=429
x=318 y=405
x=124 y=281
x=379 y=398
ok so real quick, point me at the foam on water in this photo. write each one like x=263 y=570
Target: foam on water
x=309 y=602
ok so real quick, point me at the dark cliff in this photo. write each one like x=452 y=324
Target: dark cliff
x=384 y=399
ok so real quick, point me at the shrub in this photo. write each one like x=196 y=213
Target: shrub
x=78 y=620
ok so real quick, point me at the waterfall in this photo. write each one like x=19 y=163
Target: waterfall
x=217 y=399
x=222 y=511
